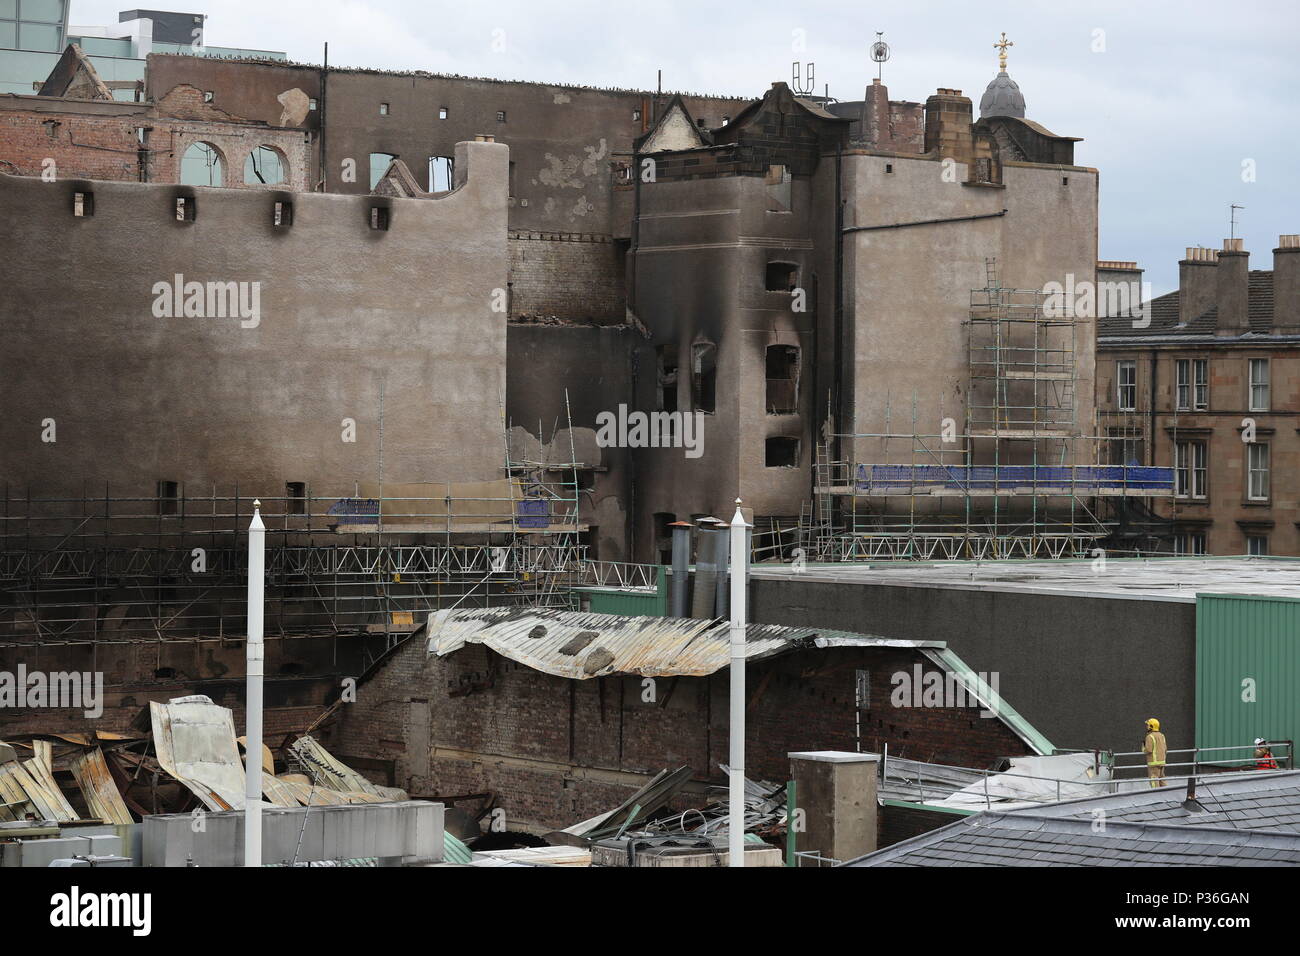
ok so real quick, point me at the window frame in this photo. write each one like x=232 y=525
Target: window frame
x=1261 y=449
x=1252 y=384
x=1191 y=477
x=1121 y=366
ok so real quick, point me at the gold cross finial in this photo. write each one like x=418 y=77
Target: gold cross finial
x=1002 y=51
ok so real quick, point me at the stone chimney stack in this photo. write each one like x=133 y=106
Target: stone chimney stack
x=1196 y=283
x=1286 y=283
x=948 y=117
x=875 y=115
x=1232 y=288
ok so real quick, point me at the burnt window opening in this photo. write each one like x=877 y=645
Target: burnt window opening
x=442 y=169
x=586 y=479
x=295 y=497
x=666 y=360
x=889 y=167
x=186 y=209
x=779 y=196
x=636 y=116
x=379 y=217
x=311 y=103
x=501 y=116
x=700 y=122
x=512 y=179
x=704 y=377
x=383 y=109
x=208 y=96
x=83 y=204
x=781 y=453
x=168 y=497
x=283 y=215
x=1065 y=180
x=781 y=277
x=782 y=379
x=142 y=134
x=726 y=120
x=623 y=172
x=442 y=113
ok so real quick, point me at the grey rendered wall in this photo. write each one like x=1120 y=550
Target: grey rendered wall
x=137 y=398
x=1087 y=672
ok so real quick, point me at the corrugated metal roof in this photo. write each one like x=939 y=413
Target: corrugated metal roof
x=581 y=645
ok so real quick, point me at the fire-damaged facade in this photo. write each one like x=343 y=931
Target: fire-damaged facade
x=561 y=715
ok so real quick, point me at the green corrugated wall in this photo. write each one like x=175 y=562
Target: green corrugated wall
x=1241 y=639
x=629 y=602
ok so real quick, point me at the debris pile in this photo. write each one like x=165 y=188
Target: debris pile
x=184 y=754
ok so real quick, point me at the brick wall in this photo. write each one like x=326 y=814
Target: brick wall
x=566 y=275
x=557 y=751
x=82 y=147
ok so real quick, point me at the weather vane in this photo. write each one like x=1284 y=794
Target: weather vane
x=1002 y=51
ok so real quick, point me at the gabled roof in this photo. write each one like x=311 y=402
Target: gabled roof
x=1031 y=838
x=398 y=181
x=75 y=77
x=674 y=130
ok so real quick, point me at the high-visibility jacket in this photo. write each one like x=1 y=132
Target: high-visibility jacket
x=1155 y=749
x=1264 y=759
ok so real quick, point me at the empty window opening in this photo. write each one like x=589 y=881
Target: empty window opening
x=442 y=112
x=782 y=453
x=283 y=215
x=889 y=167
x=201 y=165
x=512 y=179
x=379 y=163
x=704 y=377
x=295 y=498
x=208 y=96
x=782 y=277
x=379 y=217
x=782 y=379
x=636 y=116
x=666 y=359
x=264 y=167
x=501 y=116
x=383 y=109
x=441 y=171
x=83 y=204
x=700 y=122
x=311 y=103
x=186 y=210
x=779 y=197
x=586 y=479
x=168 y=497
x=1065 y=180
x=726 y=120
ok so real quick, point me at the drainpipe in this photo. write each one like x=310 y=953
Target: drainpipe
x=681 y=560
x=253 y=710
x=320 y=115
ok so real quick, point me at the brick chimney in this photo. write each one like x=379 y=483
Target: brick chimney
x=947 y=125
x=1232 y=288
x=875 y=115
x=1196 y=283
x=1286 y=283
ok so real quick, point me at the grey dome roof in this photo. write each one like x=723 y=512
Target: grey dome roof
x=1002 y=98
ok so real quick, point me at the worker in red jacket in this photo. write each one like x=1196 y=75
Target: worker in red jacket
x=1264 y=759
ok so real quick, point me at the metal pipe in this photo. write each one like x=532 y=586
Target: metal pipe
x=681 y=560
x=253 y=710
x=706 y=570
x=736 y=728
x=720 y=593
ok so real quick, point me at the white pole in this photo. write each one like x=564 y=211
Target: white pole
x=739 y=572
x=253 y=710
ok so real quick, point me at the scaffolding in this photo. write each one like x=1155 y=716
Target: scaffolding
x=1020 y=480
x=107 y=568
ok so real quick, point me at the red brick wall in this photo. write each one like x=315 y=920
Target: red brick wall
x=557 y=751
x=82 y=147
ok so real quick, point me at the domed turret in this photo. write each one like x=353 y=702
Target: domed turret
x=1003 y=96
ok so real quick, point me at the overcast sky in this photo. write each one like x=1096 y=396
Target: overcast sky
x=1169 y=98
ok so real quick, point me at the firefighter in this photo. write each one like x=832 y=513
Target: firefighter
x=1264 y=759
x=1155 y=749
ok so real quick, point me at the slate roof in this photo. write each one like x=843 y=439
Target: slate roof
x=1164 y=314
x=1029 y=838
x=1251 y=801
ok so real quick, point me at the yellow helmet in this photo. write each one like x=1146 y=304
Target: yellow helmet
x=1153 y=724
